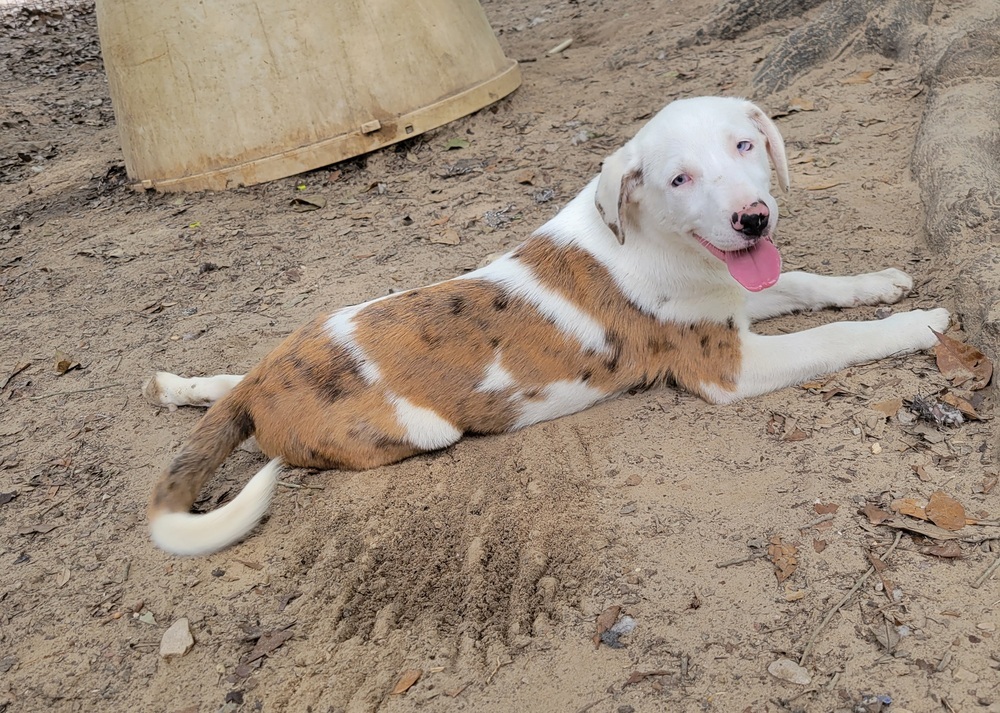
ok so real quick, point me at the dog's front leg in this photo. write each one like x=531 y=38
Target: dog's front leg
x=796 y=291
x=768 y=363
x=165 y=389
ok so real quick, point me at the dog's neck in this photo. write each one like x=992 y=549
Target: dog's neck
x=645 y=267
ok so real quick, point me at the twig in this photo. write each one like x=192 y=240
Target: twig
x=817 y=521
x=987 y=574
x=74 y=391
x=741 y=560
x=498 y=666
x=298 y=486
x=591 y=705
x=839 y=605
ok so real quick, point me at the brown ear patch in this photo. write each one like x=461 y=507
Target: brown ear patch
x=630 y=182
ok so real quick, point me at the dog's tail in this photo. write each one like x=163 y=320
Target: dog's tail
x=173 y=527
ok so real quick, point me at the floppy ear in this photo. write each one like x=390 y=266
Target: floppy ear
x=621 y=175
x=775 y=144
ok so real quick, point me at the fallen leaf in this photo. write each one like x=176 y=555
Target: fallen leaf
x=945 y=512
x=921 y=528
x=989 y=482
x=147 y=618
x=251 y=565
x=63 y=577
x=783 y=556
x=633 y=479
x=862 y=77
x=962 y=405
x=800 y=104
x=911 y=507
x=440 y=221
x=406 y=680
x=65 y=363
x=819 y=545
x=962 y=363
x=605 y=621
x=794 y=595
x=950 y=549
x=37 y=529
x=456 y=143
x=888 y=408
x=7 y=497
x=877 y=563
x=825 y=508
x=446 y=237
x=639 y=676
x=268 y=642
x=301 y=204
x=796 y=434
x=525 y=176
x=21 y=366
x=921 y=473
x=875 y=515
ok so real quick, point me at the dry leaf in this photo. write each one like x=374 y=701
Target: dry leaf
x=783 y=556
x=637 y=676
x=65 y=363
x=525 y=176
x=796 y=434
x=949 y=549
x=876 y=516
x=921 y=528
x=819 y=545
x=945 y=512
x=440 y=221
x=633 y=479
x=406 y=680
x=863 y=77
x=989 y=482
x=877 y=563
x=822 y=186
x=962 y=405
x=268 y=642
x=446 y=237
x=888 y=408
x=800 y=104
x=911 y=507
x=605 y=621
x=302 y=204
x=962 y=364
x=921 y=473
x=793 y=595
x=825 y=508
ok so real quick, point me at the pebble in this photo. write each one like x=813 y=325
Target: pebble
x=788 y=670
x=177 y=640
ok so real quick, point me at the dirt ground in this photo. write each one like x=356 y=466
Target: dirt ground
x=485 y=566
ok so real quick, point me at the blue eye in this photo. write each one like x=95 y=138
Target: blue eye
x=744 y=146
x=680 y=180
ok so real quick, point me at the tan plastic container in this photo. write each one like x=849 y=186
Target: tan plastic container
x=213 y=94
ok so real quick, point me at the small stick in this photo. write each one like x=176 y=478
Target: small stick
x=817 y=521
x=299 y=486
x=741 y=560
x=591 y=705
x=75 y=391
x=839 y=605
x=987 y=574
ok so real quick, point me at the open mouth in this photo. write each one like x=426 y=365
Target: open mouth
x=756 y=267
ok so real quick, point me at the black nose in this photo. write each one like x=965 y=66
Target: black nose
x=753 y=223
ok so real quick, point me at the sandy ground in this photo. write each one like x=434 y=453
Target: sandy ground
x=484 y=567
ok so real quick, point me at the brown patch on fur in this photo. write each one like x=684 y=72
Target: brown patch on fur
x=645 y=350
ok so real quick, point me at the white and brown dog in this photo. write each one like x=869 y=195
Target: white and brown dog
x=653 y=273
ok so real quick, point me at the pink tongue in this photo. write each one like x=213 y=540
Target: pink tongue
x=756 y=268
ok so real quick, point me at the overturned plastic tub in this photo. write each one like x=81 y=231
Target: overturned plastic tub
x=214 y=94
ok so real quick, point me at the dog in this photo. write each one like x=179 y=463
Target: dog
x=652 y=274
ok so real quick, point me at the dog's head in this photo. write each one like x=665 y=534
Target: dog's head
x=700 y=171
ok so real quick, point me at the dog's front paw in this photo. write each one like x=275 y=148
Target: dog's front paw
x=885 y=287
x=918 y=325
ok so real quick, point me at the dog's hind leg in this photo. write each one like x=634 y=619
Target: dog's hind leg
x=165 y=389
x=796 y=291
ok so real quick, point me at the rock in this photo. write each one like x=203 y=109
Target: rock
x=788 y=670
x=177 y=640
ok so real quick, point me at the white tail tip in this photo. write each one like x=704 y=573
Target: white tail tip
x=184 y=533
